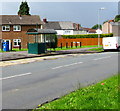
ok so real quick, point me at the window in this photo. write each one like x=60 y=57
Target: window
x=17 y=42
x=6 y=28
x=67 y=32
x=16 y=28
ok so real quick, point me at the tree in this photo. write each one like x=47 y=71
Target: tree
x=105 y=21
x=24 y=9
x=117 y=18
x=96 y=26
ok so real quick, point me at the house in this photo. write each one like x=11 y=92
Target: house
x=111 y=27
x=107 y=27
x=14 y=28
x=89 y=30
x=64 y=27
x=116 y=28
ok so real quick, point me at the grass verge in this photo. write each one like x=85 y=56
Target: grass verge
x=74 y=47
x=96 y=49
x=56 y=49
x=103 y=95
x=14 y=50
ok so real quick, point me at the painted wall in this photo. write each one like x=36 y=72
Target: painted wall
x=79 y=32
x=64 y=32
x=116 y=30
x=70 y=32
x=106 y=28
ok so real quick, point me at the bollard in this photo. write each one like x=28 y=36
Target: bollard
x=61 y=45
x=11 y=46
x=66 y=45
x=71 y=44
x=19 y=46
x=80 y=44
x=76 y=44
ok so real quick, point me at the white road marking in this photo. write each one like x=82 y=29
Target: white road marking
x=102 y=58
x=57 y=67
x=25 y=74
x=108 y=53
x=67 y=65
x=15 y=90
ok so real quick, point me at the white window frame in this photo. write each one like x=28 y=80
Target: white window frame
x=67 y=32
x=6 y=26
x=15 y=28
x=17 y=41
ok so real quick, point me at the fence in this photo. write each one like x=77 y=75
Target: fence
x=78 y=42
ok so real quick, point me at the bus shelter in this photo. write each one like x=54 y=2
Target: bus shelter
x=41 y=39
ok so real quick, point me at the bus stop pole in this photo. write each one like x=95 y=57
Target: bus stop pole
x=45 y=42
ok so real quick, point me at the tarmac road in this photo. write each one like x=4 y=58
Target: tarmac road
x=25 y=86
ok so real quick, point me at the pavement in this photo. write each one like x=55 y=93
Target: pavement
x=33 y=59
x=24 y=54
x=22 y=57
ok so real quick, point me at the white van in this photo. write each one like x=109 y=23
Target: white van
x=111 y=43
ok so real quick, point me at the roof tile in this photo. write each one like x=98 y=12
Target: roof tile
x=20 y=20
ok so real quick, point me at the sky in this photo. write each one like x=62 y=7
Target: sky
x=84 y=13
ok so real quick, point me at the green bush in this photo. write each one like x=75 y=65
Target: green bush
x=87 y=36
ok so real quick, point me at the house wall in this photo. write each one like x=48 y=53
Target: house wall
x=79 y=32
x=59 y=32
x=70 y=32
x=64 y=32
x=106 y=28
x=116 y=30
x=111 y=29
x=10 y=35
x=84 y=41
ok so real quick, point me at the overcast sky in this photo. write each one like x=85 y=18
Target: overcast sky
x=85 y=13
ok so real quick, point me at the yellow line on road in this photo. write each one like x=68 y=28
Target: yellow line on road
x=37 y=59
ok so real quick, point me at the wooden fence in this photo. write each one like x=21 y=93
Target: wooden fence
x=78 y=41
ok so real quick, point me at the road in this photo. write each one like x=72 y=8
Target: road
x=25 y=86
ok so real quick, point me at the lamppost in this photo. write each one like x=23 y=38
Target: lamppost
x=99 y=31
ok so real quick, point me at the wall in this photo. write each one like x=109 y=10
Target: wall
x=18 y=34
x=63 y=32
x=116 y=30
x=79 y=32
x=59 y=32
x=106 y=28
x=84 y=41
x=71 y=32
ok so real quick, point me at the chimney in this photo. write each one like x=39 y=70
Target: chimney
x=20 y=16
x=45 y=20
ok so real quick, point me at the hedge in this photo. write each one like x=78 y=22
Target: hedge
x=87 y=36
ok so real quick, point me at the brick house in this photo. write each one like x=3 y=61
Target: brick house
x=13 y=28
